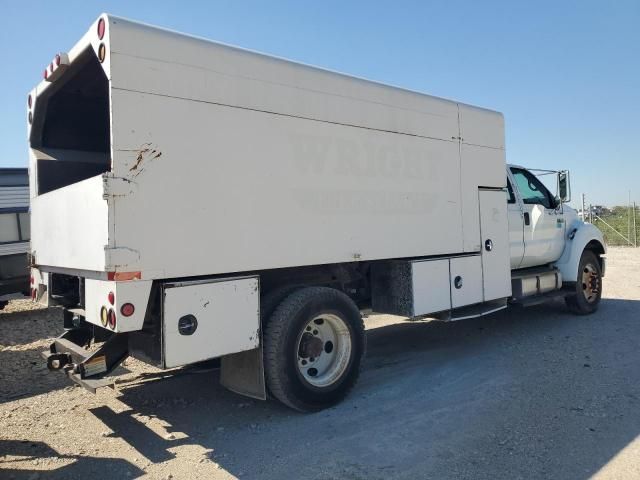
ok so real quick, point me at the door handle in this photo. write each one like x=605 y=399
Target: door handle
x=488 y=245
x=527 y=220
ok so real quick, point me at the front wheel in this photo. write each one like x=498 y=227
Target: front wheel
x=588 y=289
x=313 y=345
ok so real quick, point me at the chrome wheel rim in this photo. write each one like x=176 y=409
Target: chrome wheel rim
x=590 y=283
x=323 y=350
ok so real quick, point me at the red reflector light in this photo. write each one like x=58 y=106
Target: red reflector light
x=112 y=319
x=112 y=298
x=34 y=294
x=101 y=28
x=45 y=75
x=127 y=309
x=57 y=59
x=32 y=280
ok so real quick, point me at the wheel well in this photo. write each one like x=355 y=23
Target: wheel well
x=596 y=247
x=351 y=279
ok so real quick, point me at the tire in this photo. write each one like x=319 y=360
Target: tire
x=588 y=288
x=313 y=326
x=272 y=299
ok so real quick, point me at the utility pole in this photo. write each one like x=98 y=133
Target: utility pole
x=629 y=219
x=635 y=232
x=584 y=218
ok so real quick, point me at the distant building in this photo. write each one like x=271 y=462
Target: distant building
x=599 y=210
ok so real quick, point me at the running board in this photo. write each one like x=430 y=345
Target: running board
x=88 y=369
x=473 y=311
x=538 y=299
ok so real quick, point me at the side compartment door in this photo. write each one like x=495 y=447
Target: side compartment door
x=205 y=319
x=496 y=274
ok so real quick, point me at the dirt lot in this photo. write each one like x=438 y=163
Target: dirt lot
x=535 y=393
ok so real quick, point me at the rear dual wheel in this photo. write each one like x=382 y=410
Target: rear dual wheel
x=314 y=342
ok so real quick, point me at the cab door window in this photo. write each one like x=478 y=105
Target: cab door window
x=532 y=190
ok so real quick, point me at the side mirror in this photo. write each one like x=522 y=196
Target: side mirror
x=564 y=186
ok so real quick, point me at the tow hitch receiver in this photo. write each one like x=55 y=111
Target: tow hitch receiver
x=87 y=368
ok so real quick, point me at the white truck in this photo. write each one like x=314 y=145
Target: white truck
x=193 y=200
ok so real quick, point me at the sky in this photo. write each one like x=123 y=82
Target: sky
x=565 y=74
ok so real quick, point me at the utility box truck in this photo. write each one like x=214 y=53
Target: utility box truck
x=192 y=200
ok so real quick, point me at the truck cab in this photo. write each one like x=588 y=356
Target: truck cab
x=545 y=255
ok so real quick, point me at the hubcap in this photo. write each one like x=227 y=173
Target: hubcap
x=324 y=349
x=590 y=283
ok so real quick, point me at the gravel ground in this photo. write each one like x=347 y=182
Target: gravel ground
x=534 y=393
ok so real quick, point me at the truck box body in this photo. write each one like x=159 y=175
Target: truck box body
x=179 y=157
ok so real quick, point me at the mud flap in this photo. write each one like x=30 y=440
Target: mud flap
x=243 y=373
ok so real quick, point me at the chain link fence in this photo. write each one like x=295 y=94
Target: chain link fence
x=620 y=224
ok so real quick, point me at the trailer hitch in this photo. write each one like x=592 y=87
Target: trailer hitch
x=89 y=369
x=57 y=361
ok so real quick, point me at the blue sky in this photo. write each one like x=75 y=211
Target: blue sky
x=565 y=74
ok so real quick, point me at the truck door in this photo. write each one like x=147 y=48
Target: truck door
x=543 y=223
x=516 y=227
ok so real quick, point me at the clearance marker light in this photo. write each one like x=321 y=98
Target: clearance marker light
x=58 y=65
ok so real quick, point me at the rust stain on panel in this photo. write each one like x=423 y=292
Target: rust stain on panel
x=145 y=154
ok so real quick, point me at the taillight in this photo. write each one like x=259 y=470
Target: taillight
x=112 y=298
x=45 y=75
x=112 y=319
x=29 y=101
x=101 y=28
x=32 y=280
x=127 y=309
x=34 y=294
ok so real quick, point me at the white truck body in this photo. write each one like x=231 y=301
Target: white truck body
x=267 y=151
x=158 y=159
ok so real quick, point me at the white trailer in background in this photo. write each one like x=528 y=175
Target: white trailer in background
x=14 y=234
x=193 y=200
